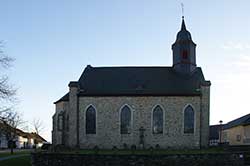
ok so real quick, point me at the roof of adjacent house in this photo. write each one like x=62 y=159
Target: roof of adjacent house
x=20 y=132
x=36 y=137
x=244 y=120
x=138 y=81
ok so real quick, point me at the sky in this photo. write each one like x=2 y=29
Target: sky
x=53 y=41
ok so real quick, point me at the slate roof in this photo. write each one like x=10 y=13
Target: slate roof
x=244 y=120
x=19 y=132
x=64 y=98
x=184 y=34
x=36 y=136
x=138 y=81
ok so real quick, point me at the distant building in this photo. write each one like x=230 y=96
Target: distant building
x=214 y=134
x=35 y=139
x=237 y=132
x=22 y=139
x=166 y=107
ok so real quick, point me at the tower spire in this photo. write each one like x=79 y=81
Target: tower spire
x=184 y=56
x=183 y=26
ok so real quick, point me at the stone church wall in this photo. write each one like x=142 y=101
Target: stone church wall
x=205 y=100
x=108 y=122
x=56 y=134
x=67 y=159
x=72 y=139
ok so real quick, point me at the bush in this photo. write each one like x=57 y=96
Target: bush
x=125 y=146
x=151 y=150
x=157 y=146
x=46 y=146
x=96 y=149
x=133 y=147
x=114 y=148
x=59 y=148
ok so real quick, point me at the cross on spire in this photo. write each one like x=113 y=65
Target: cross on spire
x=182 y=10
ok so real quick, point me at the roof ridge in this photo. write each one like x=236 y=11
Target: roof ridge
x=239 y=118
x=248 y=119
x=99 y=67
x=237 y=122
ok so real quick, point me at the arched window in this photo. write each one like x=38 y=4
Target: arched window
x=157 y=120
x=189 y=120
x=60 y=122
x=67 y=123
x=125 y=120
x=90 y=120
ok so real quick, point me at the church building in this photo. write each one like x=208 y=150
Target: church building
x=142 y=107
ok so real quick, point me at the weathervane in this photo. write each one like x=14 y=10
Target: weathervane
x=182 y=10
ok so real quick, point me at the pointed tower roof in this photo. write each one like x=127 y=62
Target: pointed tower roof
x=183 y=34
x=183 y=26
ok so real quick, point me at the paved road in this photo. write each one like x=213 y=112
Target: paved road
x=11 y=157
x=16 y=150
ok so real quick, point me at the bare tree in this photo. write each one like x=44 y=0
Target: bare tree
x=9 y=129
x=9 y=118
x=38 y=125
x=7 y=91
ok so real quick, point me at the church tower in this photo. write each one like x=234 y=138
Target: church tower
x=184 y=58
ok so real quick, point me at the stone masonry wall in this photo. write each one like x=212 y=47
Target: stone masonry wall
x=72 y=139
x=57 y=136
x=108 y=122
x=205 y=114
x=59 y=159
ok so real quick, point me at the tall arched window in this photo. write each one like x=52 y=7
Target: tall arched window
x=157 y=125
x=60 y=123
x=67 y=123
x=189 y=120
x=90 y=120
x=125 y=120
